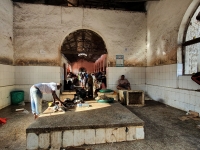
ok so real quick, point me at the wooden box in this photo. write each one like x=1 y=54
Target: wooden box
x=135 y=98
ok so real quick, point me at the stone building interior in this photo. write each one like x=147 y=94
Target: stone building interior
x=153 y=43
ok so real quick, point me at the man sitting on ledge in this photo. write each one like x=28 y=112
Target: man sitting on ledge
x=123 y=84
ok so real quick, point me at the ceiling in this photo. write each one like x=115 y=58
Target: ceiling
x=126 y=5
x=85 y=40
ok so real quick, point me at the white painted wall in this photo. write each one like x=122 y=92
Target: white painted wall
x=7 y=71
x=163 y=21
x=41 y=30
x=6 y=32
x=38 y=36
x=26 y=76
x=135 y=75
x=165 y=82
x=7 y=81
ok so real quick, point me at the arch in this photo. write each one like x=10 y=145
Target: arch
x=182 y=31
x=83 y=44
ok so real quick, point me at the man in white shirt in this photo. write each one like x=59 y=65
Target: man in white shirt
x=36 y=93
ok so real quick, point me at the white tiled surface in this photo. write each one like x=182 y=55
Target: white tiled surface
x=44 y=140
x=162 y=75
x=135 y=75
x=178 y=98
x=185 y=82
x=56 y=140
x=26 y=76
x=7 y=75
x=7 y=82
x=5 y=99
x=29 y=75
x=32 y=141
x=23 y=77
x=167 y=85
x=162 y=83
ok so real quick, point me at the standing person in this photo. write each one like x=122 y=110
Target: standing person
x=123 y=84
x=82 y=80
x=90 y=86
x=103 y=78
x=86 y=79
x=36 y=93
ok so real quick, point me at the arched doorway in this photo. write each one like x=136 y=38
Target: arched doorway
x=82 y=48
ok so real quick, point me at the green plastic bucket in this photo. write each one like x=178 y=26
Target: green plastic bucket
x=105 y=91
x=16 y=97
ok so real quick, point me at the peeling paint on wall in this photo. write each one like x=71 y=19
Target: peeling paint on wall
x=29 y=62
x=123 y=32
x=6 y=32
x=163 y=21
x=6 y=61
x=169 y=58
x=134 y=63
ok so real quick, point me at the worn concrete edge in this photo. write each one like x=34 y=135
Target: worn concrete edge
x=50 y=129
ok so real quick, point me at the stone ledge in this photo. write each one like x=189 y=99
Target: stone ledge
x=100 y=115
x=58 y=139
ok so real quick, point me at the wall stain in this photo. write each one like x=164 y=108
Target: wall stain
x=169 y=58
x=47 y=62
x=129 y=64
x=136 y=64
x=6 y=61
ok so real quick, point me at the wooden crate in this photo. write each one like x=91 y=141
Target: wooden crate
x=135 y=98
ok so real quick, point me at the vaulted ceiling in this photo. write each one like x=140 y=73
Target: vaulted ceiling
x=86 y=41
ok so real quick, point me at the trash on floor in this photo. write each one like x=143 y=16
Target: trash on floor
x=3 y=120
x=190 y=115
x=22 y=110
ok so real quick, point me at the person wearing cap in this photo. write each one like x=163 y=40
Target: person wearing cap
x=36 y=93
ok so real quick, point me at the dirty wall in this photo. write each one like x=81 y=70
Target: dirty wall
x=7 y=70
x=40 y=30
x=163 y=22
x=164 y=80
x=6 y=32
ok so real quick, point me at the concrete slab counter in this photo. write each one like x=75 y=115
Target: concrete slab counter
x=100 y=123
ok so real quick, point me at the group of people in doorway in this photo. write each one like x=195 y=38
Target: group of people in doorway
x=94 y=81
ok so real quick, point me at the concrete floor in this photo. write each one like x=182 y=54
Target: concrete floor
x=163 y=129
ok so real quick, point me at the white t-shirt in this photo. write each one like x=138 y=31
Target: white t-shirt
x=47 y=87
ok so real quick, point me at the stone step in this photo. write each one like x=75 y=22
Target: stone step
x=99 y=123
